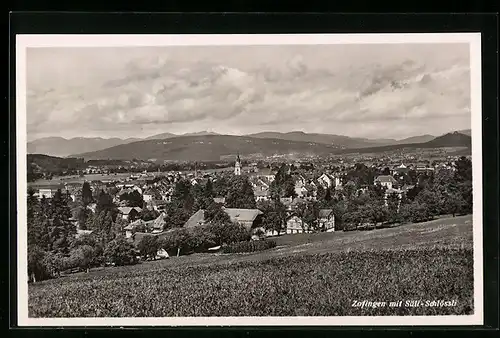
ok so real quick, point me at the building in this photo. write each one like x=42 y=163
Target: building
x=261 y=195
x=327 y=220
x=129 y=213
x=47 y=193
x=401 y=169
x=220 y=200
x=326 y=180
x=249 y=218
x=295 y=225
x=386 y=181
x=197 y=219
x=237 y=166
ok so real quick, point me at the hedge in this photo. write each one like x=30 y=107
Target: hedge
x=248 y=246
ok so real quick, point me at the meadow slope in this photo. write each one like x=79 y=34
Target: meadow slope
x=305 y=275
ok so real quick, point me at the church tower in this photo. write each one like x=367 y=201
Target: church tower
x=237 y=166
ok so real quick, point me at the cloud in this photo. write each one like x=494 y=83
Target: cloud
x=158 y=93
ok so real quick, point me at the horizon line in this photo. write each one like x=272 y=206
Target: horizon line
x=145 y=138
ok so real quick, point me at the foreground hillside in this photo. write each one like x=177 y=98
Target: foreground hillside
x=305 y=275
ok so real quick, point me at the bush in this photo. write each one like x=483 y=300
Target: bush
x=228 y=232
x=37 y=264
x=415 y=212
x=148 y=246
x=248 y=246
x=120 y=252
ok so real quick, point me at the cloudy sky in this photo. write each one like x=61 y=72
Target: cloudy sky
x=374 y=91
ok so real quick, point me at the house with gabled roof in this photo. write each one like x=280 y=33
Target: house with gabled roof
x=197 y=219
x=327 y=220
x=249 y=218
x=386 y=181
x=129 y=213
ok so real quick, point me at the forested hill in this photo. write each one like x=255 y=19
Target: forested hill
x=208 y=148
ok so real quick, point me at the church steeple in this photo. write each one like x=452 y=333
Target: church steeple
x=237 y=165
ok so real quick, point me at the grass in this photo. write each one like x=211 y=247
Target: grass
x=305 y=275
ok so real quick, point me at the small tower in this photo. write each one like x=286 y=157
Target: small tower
x=237 y=166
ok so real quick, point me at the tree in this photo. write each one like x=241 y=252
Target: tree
x=201 y=199
x=105 y=202
x=178 y=240
x=182 y=195
x=221 y=186
x=36 y=269
x=120 y=252
x=240 y=194
x=84 y=257
x=83 y=215
x=148 y=215
x=289 y=188
x=339 y=210
x=455 y=203
x=274 y=215
x=311 y=216
x=61 y=229
x=133 y=199
x=320 y=192
x=413 y=192
x=209 y=190
x=300 y=210
x=432 y=200
x=415 y=212
x=393 y=203
x=216 y=214
x=227 y=233
x=175 y=216
x=373 y=212
x=33 y=218
x=463 y=171
x=148 y=246
x=201 y=238
x=87 y=197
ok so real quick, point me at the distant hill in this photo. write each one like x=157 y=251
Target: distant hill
x=53 y=163
x=200 y=133
x=208 y=148
x=161 y=136
x=58 y=146
x=340 y=140
x=336 y=140
x=465 y=132
x=454 y=139
x=416 y=139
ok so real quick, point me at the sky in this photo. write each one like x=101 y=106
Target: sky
x=372 y=91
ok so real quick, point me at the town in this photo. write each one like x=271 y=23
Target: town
x=156 y=214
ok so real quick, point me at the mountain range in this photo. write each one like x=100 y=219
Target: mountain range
x=215 y=147
x=58 y=146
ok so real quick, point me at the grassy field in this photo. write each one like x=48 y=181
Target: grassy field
x=305 y=275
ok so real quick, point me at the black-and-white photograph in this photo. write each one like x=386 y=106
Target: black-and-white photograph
x=264 y=179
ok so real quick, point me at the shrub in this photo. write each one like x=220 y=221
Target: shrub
x=228 y=232
x=120 y=252
x=248 y=246
x=148 y=246
x=37 y=264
